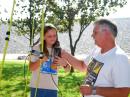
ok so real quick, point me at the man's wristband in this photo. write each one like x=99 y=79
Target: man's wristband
x=94 y=92
x=66 y=65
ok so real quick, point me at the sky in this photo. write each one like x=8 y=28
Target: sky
x=121 y=12
x=6 y=5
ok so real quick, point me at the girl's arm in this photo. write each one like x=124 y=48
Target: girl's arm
x=34 y=65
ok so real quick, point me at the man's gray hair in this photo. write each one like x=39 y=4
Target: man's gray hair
x=112 y=26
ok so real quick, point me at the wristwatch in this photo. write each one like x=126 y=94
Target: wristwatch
x=94 y=92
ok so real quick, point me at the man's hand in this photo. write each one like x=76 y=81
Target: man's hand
x=62 y=62
x=74 y=62
x=63 y=53
x=85 y=90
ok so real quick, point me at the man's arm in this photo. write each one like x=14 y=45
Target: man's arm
x=106 y=91
x=77 y=64
x=113 y=92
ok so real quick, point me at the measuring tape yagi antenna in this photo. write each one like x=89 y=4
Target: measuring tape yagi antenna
x=7 y=40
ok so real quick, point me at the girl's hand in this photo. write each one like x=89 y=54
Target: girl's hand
x=44 y=59
x=60 y=61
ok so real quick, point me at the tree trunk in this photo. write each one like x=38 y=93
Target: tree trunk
x=71 y=46
x=30 y=22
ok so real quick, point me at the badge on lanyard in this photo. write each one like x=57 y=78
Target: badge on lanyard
x=93 y=70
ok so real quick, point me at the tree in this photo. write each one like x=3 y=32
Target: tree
x=30 y=26
x=65 y=13
x=83 y=12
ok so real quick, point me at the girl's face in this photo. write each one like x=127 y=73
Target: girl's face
x=50 y=37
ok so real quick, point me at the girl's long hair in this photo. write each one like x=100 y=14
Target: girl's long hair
x=55 y=45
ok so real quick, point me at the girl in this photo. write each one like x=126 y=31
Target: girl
x=48 y=81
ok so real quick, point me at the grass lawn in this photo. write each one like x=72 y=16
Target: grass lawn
x=13 y=81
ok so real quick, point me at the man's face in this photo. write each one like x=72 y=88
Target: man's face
x=98 y=36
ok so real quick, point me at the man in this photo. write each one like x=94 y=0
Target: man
x=109 y=69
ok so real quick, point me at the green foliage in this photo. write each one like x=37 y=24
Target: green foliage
x=129 y=95
x=83 y=12
x=30 y=25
